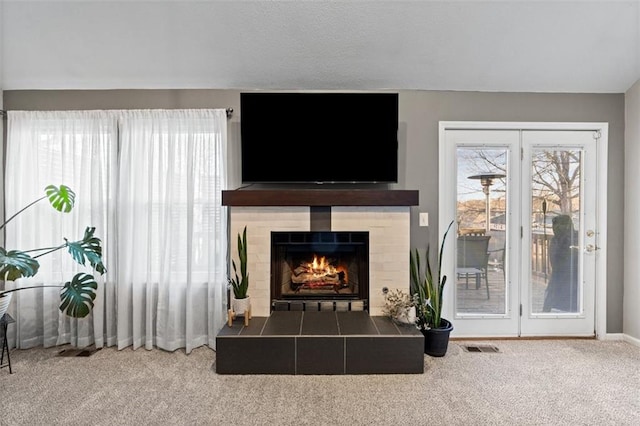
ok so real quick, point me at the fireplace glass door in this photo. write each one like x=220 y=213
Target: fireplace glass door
x=319 y=265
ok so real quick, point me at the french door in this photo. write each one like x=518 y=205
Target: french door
x=524 y=259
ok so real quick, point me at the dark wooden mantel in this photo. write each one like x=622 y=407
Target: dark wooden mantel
x=320 y=197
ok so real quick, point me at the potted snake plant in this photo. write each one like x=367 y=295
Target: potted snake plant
x=77 y=295
x=427 y=288
x=239 y=284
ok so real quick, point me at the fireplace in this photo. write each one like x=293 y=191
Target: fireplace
x=319 y=266
x=383 y=214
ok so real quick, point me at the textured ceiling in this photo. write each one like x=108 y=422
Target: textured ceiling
x=523 y=46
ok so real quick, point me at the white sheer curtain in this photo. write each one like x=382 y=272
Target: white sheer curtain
x=151 y=183
x=172 y=230
x=77 y=149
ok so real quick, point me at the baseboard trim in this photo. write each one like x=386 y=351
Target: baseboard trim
x=613 y=336
x=563 y=337
x=621 y=337
x=632 y=340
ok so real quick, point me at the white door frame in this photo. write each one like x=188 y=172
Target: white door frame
x=447 y=207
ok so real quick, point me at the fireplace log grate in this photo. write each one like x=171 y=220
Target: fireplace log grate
x=319 y=305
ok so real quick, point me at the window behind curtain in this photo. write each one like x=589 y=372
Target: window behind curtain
x=150 y=181
x=76 y=149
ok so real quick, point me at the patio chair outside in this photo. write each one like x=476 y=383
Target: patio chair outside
x=473 y=259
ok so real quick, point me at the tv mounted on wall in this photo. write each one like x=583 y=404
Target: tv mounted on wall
x=319 y=137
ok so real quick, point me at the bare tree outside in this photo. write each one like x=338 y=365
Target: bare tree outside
x=555 y=181
x=556 y=178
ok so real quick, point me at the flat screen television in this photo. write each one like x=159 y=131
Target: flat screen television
x=319 y=137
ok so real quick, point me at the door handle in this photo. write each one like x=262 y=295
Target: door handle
x=590 y=248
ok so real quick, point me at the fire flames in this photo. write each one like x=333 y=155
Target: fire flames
x=321 y=266
x=319 y=273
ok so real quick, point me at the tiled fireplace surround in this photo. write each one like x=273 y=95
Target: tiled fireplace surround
x=388 y=229
x=288 y=342
x=385 y=214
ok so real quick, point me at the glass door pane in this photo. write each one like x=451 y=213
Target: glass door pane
x=481 y=213
x=556 y=211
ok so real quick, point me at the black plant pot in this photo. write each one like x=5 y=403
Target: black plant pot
x=436 y=340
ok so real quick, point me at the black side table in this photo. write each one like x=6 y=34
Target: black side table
x=4 y=323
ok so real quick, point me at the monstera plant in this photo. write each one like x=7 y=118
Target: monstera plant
x=77 y=295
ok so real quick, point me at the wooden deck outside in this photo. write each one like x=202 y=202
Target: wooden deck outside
x=474 y=301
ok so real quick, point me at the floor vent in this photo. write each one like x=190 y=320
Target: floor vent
x=77 y=352
x=481 y=348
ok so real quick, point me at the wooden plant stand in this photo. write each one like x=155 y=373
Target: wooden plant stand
x=233 y=314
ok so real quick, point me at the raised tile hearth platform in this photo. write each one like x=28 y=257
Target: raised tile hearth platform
x=302 y=342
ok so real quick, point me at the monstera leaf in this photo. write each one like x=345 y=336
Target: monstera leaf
x=62 y=198
x=76 y=299
x=87 y=249
x=16 y=264
x=77 y=295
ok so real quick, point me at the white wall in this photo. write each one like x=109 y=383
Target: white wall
x=631 y=308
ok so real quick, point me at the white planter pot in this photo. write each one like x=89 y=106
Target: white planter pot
x=239 y=306
x=5 y=300
x=408 y=316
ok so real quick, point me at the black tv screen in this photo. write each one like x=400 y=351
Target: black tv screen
x=319 y=137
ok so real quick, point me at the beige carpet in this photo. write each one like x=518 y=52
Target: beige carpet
x=529 y=382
